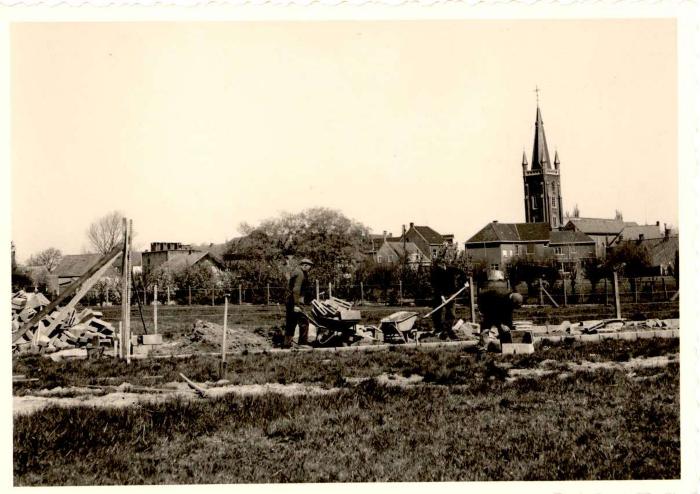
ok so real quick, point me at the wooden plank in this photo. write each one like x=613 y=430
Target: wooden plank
x=67 y=292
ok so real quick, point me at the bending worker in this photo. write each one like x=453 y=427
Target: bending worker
x=296 y=296
x=496 y=307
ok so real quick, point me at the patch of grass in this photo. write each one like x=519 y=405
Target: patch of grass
x=595 y=425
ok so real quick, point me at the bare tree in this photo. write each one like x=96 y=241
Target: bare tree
x=107 y=232
x=49 y=258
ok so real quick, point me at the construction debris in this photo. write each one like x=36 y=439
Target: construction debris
x=335 y=308
x=237 y=339
x=59 y=330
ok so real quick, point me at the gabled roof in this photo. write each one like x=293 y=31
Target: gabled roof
x=633 y=233
x=411 y=250
x=568 y=237
x=75 y=265
x=187 y=259
x=662 y=250
x=430 y=235
x=599 y=226
x=512 y=232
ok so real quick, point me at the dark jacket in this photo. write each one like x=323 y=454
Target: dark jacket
x=496 y=307
x=298 y=289
x=445 y=281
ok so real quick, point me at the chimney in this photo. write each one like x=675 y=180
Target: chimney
x=657 y=223
x=403 y=230
x=495 y=221
x=411 y=225
x=641 y=237
x=667 y=232
x=384 y=234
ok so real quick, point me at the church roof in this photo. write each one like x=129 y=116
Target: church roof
x=600 y=226
x=540 y=152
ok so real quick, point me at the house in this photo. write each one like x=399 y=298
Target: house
x=497 y=243
x=396 y=250
x=428 y=241
x=637 y=232
x=601 y=230
x=662 y=251
x=73 y=266
x=374 y=242
x=163 y=252
x=183 y=261
x=570 y=245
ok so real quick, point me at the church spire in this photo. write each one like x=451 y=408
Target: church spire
x=540 y=152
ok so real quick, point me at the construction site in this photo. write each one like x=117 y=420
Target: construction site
x=168 y=382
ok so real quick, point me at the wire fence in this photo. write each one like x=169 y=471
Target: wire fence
x=657 y=289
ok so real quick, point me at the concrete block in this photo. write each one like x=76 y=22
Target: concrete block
x=517 y=348
x=645 y=334
x=153 y=339
x=590 y=337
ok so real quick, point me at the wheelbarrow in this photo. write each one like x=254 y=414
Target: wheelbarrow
x=334 y=329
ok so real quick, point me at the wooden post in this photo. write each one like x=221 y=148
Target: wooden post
x=268 y=294
x=318 y=293
x=400 y=292
x=240 y=295
x=125 y=337
x=606 y=291
x=121 y=342
x=663 y=282
x=362 y=293
x=635 y=289
x=106 y=294
x=541 y=293
x=155 y=308
x=330 y=289
x=471 y=299
x=653 y=282
x=618 y=311
x=212 y=298
x=563 y=282
x=223 y=338
x=189 y=295
x=168 y=291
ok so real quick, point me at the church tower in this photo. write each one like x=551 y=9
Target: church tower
x=542 y=186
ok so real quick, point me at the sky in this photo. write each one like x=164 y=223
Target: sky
x=191 y=129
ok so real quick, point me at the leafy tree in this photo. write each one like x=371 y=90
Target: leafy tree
x=594 y=272
x=630 y=257
x=49 y=258
x=331 y=240
x=106 y=232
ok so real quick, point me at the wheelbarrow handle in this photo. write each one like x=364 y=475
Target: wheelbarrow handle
x=445 y=302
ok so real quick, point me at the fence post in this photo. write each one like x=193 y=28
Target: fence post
x=155 y=308
x=330 y=289
x=663 y=282
x=168 y=291
x=317 y=291
x=618 y=311
x=223 y=342
x=212 y=298
x=400 y=292
x=653 y=282
x=471 y=298
x=189 y=295
x=240 y=295
x=541 y=293
x=606 y=291
x=268 y=294
x=635 y=289
x=563 y=282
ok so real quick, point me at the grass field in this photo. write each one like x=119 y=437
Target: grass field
x=178 y=319
x=465 y=421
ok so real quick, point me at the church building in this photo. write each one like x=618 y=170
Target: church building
x=542 y=185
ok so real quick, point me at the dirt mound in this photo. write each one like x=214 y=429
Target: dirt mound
x=237 y=339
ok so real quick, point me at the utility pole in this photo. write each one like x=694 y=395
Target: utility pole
x=155 y=308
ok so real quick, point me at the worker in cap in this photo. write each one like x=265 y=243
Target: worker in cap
x=496 y=307
x=297 y=295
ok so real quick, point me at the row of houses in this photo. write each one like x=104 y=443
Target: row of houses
x=497 y=244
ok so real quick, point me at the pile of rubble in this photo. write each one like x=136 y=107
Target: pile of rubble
x=78 y=329
x=237 y=339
